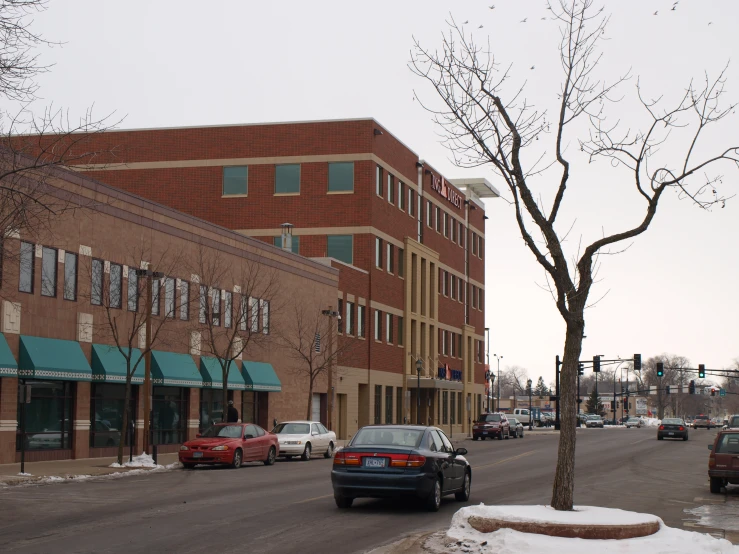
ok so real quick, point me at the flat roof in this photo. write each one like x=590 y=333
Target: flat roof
x=479 y=185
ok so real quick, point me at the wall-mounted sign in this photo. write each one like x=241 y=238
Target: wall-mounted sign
x=438 y=184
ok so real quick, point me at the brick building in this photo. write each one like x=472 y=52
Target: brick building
x=408 y=244
x=60 y=288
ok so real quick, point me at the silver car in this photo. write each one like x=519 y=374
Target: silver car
x=304 y=438
x=633 y=422
x=516 y=428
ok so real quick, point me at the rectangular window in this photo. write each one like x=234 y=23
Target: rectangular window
x=460 y=291
x=378 y=325
x=474 y=243
x=378 y=404
x=453 y=232
x=480 y=248
x=254 y=308
x=70 y=276
x=428 y=213
x=378 y=181
x=341 y=176
x=401 y=262
x=453 y=411
x=400 y=331
x=108 y=399
x=155 y=288
x=203 y=312
x=401 y=196
x=287 y=179
x=215 y=305
x=116 y=285
x=48 y=416
x=378 y=252
x=48 y=271
x=480 y=304
x=459 y=407
x=264 y=304
x=96 y=289
x=389 y=405
x=399 y=406
x=453 y=341
x=235 y=180
x=227 y=309
x=389 y=328
x=445 y=407
x=360 y=321
x=445 y=290
x=438 y=218
x=340 y=311
x=294 y=245
x=390 y=258
x=410 y=201
x=460 y=234
x=459 y=346
x=25 y=281
x=184 y=300
x=390 y=189
x=243 y=313
x=446 y=225
x=474 y=297
x=453 y=287
x=444 y=348
x=133 y=290
x=341 y=248
x=350 y=318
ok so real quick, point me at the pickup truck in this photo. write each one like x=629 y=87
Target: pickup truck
x=524 y=416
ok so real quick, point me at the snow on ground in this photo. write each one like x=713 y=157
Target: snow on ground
x=652 y=422
x=668 y=540
x=142 y=460
x=25 y=475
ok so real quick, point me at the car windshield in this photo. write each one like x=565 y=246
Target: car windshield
x=672 y=421
x=701 y=417
x=292 y=429
x=594 y=417
x=728 y=444
x=633 y=420
x=512 y=421
x=224 y=431
x=490 y=417
x=388 y=437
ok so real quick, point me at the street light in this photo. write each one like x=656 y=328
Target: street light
x=499 y=358
x=419 y=367
x=531 y=417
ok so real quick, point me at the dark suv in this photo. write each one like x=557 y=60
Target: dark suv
x=702 y=421
x=723 y=461
x=491 y=425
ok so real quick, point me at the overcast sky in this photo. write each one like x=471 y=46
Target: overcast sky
x=182 y=63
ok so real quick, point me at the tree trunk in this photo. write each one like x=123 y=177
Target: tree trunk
x=225 y=392
x=126 y=419
x=309 y=413
x=564 y=476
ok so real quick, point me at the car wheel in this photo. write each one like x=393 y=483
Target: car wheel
x=343 y=502
x=433 y=502
x=306 y=453
x=500 y=436
x=464 y=494
x=685 y=437
x=329 y=451
x=475 y=437
x=660 y=437
x=521 y=434
x=237 y=459
x=716 y=485
x=188 y=465
x=515 y=435
x=271 y=456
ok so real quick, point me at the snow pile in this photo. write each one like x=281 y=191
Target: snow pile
x=25 y=475
x=507 y=541
x=652 y=422
x=142 y=460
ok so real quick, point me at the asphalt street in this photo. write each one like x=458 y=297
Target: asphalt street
x=289 y=507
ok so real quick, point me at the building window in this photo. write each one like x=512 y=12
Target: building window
x=401 y=196
x=96 y=289
x=474 y=297
x=287 y=179
x=203 y=308
x=184 y=300
x=453 y=287
x=116 y=286
x=444 y=349
x=25 y=282
x=378 y=325
x=350 y=318
x=254 y=308
x=438 y=218
x=459 y=407
x=378 y=181
x=340 y=310
x=378 y=404
x=453 y=411
x=390 y=258
x=264 y=305
x=444 y=407
x=211 y=407
x=479 y=248
x=48 y=417
x=235 y=180
x=453 y=230
x=133 y=290
x=428 y=213
x=460 y=235
x=446 y=225
x=156 y=286
x=459 y=346
x=390 y=189
x=215 y=308
x=107 y=404
x=401 y=262
x=227 y=309
x=48 y=271
x=389 y=328
x=361 y=323
x=378 y=252
x=389 y=405
x=169 y=414
x=460 y=291
x=341 y=248
x=399 y=406
x=243 y=313
x=341 y=176
x=294 y=245
x=480 y=304
x=410 y=201
x=400 y=331
x=70 y=276
x=474 y=243
x=453 y=341
x=444 y=285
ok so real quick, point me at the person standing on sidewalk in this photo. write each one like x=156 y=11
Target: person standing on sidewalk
x=233 y=413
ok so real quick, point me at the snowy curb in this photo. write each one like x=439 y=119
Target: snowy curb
x=27 y=479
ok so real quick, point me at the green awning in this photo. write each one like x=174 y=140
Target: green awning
x=109 y=365
x=62 y=360
x=210 y=369
x=8 y=367
x=171 y=369
x=261 y=377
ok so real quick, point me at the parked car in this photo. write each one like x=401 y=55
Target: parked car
x=230 y=444
x=516 y=427
x=402 y=460
x=672 y=428
x=723 y=461
x=702 y=421
x=491 y=425
x=733 y=422
x=594 y=421
x=303 y=438
x=633 y=422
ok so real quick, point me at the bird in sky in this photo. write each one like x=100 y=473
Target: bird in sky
x=710 y=22
x=673 y=8
x=524 y=20
x=492 y=7
x=533 y=66
x=466 y=22
x=480 y=27
x=655 y=13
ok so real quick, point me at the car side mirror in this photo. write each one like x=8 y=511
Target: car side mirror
x=710 y=447
x=460 y=452
x=198 y=436
x=314 y=434
x=248 y=437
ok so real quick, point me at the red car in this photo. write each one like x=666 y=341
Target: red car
x=723 y=461
x=491 y=425
x=231 y=444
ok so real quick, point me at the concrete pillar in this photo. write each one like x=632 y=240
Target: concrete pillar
x=81 y=421
x=193 y=414
x=8 y=418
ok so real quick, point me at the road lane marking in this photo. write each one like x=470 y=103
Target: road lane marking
x=312 y=499
x=504 y=460
x=649 y=439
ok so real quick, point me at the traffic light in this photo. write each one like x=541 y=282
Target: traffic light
x=637 y=362
x=713 y=392
x=691 y=387
x=581 y=369
x=596 y=363
x=660 y=369
x=702 y=371
x=667 y=389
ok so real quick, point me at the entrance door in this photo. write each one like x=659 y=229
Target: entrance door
x=316 y=407
x=341 y=402
x=364 y=406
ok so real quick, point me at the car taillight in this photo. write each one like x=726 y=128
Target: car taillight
x=711 y=460
x=662 y=428
x=682 y=428
x=415 y=461
x=345 y=459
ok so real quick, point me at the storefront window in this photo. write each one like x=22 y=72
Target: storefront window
x=106 y=411
x=48 y=416
x=211 y=407
x=169 y=414
x=247 y=407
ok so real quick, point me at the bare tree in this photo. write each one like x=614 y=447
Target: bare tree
x=485 y=122
x=513 y=380
x=121 y=294
x=237 y=320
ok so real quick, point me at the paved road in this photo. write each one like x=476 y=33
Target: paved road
x=289 y=507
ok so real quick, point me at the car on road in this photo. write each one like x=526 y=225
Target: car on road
x=672 y=428
x=723 y=461
x=230 y=444
x=733 y=422
x=304 y=438
x=388 y=461
x=633 y=422
x=594 y=421
x=702 y=421
x=491 y=425
x=516 y=427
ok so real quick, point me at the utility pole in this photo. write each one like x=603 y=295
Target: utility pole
x=557 y=363
x=330 y=388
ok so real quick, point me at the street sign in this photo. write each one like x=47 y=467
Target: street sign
x=723 y=392
x=641 y=406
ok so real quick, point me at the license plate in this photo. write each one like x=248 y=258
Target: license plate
x=484 y=432
x=374 y=462
x=670 y=433
x=197 y=454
